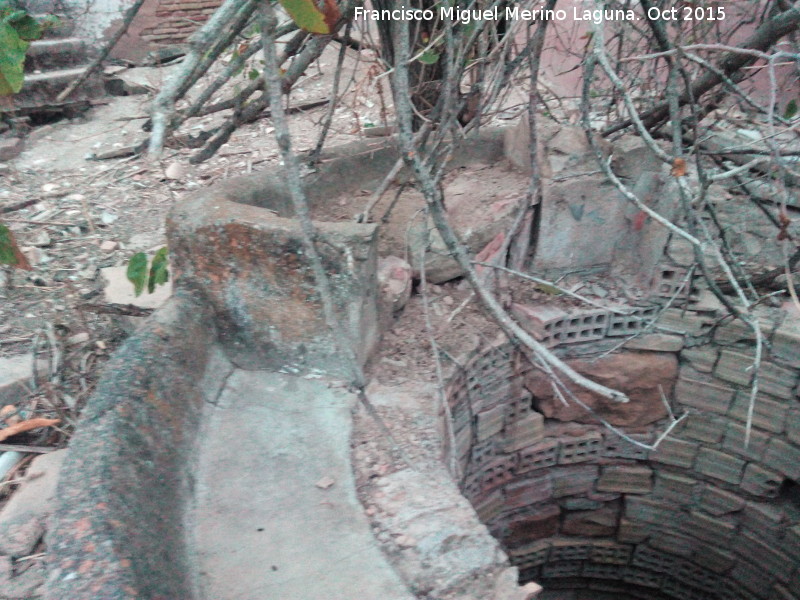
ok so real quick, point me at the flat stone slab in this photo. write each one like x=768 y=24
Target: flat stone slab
x=15 y=377
x=265 y=524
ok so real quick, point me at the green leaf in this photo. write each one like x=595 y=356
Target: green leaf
x=429 y=57
x=26 y=26
x=791 y=109
x=548 y=289
x=159 y=274
x=253 y=74
x=308 y=16
x=137 y=272
x=12 y=59
x=9 y=251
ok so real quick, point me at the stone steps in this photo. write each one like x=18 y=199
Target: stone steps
x=41 y=89
x=49 y=54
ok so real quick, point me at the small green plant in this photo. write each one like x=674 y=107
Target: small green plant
x=17 y=30
x=143 y=273
x=10 y=254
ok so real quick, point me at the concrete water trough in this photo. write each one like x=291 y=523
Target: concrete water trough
x=214 y=459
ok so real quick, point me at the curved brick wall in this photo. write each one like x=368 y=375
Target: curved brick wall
x=578 y=507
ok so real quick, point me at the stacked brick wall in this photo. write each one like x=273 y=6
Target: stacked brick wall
x=704 y=516
x=176 y=20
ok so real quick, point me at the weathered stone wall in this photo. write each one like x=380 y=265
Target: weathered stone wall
x=577 y=506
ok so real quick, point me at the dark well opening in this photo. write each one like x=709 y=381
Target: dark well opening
x=591 y=516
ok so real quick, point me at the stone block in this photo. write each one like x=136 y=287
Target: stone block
x=626 y=479
x=760 y=481
x=719 y=465
x=717 y=502
x=685 y=321
x=786 y=340
x=672 y=543
x=704 y=396
x=11 y=148
x=781 y=593
x=15 y=376
x=570 y=481
x=641 y=375
x=527 y=491
x=676 y=489
x=772 y=379
x=535 y=525
x=23 y=517
x=656 y=342
x=646 y=510
x=579 y=449
x=766 y=557
x=701 y=358
x=767 y=414
x=714 y=559
x=524 y=432
x=791 y=544
x=675 y=452
x=763 y=519
x=489 y=506
x=711 y=530
x=793 y=426
x=490 y=422
x=732 y=331
x=573 y=504
x=591 y=523
x=703 y=428
x=783 y=457
x=632 y=532
x=538 y=456
x=735 y=441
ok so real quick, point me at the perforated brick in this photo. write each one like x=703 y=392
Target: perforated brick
x=734 y=441
x=489 y=506
x=669 y=281
x=490 y=422
x=653 y=560
x=680 y=589
x=538 y=456
x=580 y=449
x=713 y=558
x=618 y=447
x=769 y=559
x=566 y=550
x=648 y=510
x=562 y=569
x=629 y=324
x=530 y=555
x=672 y=543
x=642 y=577
x=497 y=472
x=704 y=428
x=610 y=553
x=539 y=320
x=697 y=576
x=707 y=529
x=603 y=571
x=583 y=326
x=517 y=409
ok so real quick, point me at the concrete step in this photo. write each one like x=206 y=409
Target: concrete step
x=41 y=89
x=52 y=54
x=276 y=513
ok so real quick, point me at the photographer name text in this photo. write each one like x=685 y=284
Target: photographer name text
x=515 y=13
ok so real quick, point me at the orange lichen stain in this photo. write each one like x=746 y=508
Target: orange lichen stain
x=85 y=567
x=124 y=563
x=82 y=527
x=101 y=506
x=89 y=547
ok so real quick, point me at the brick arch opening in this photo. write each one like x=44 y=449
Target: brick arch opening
x=591 y=516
